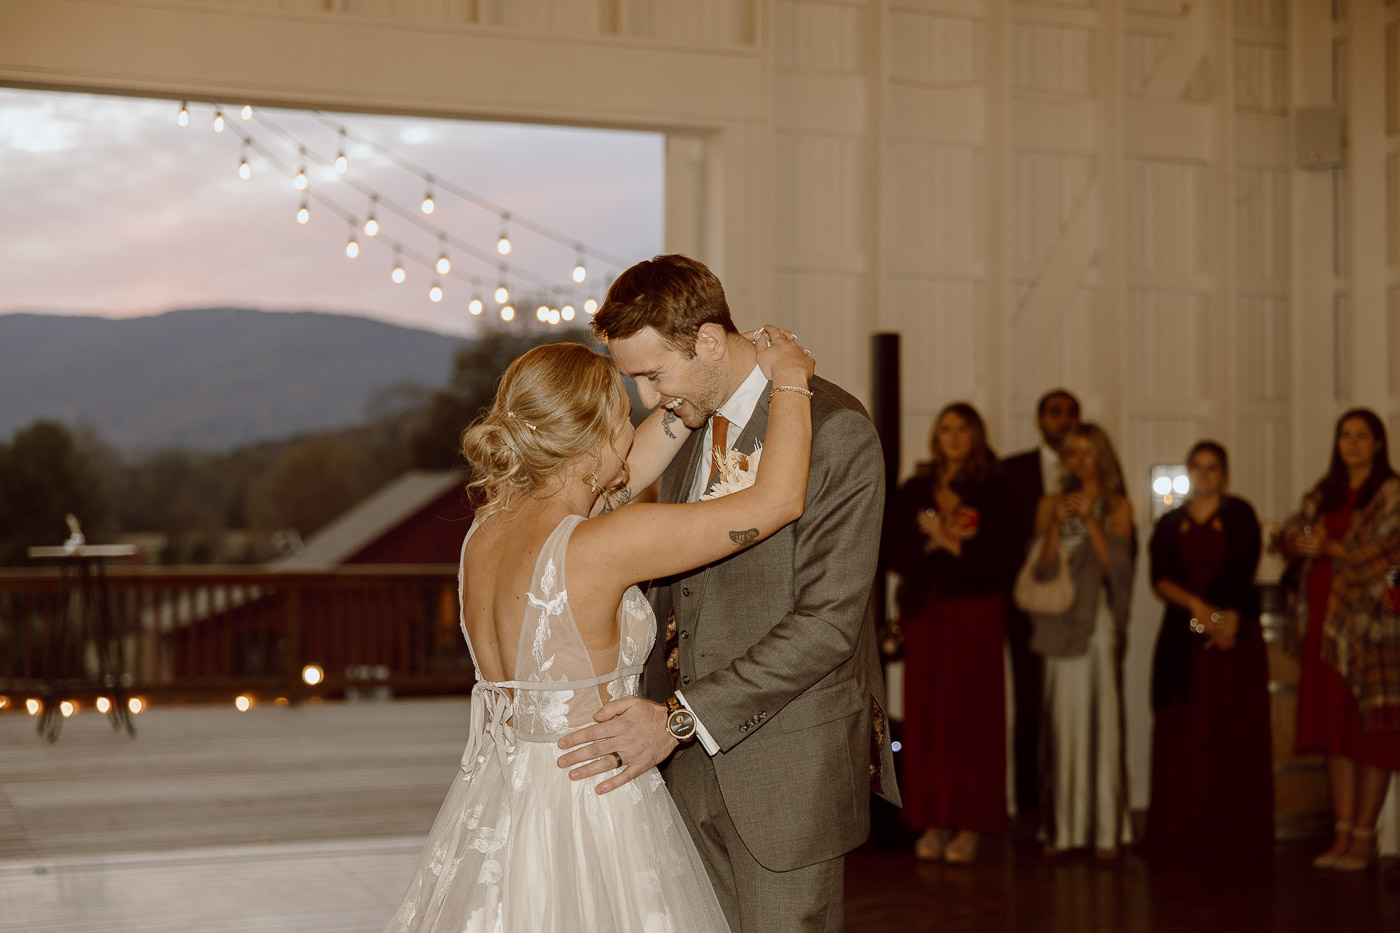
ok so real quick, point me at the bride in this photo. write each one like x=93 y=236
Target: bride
x=556 y=627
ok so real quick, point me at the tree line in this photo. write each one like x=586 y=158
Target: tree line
x=242 y=506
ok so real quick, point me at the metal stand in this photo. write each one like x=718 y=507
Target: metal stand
x=83 y=619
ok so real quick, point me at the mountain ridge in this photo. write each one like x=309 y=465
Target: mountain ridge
x=212 y=377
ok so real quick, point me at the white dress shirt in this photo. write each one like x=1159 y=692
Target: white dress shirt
x=739 y=408
x=1050 y=470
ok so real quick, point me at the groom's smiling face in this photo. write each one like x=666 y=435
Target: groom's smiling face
x=692 y=387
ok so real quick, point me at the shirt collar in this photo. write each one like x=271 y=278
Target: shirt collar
x=739 y=408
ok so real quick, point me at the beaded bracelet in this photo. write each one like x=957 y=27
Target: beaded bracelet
x=799 y=389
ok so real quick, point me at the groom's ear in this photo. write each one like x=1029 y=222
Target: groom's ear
x=709 y=342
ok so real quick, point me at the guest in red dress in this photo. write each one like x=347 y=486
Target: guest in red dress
x=950 y=534
x=1212 y=794
x=1348 y=534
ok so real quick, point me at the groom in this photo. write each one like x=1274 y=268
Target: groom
x=772 y=650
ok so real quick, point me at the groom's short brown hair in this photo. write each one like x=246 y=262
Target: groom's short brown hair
x=672 y=294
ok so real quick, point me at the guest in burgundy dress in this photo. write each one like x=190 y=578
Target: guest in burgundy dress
x=1348 y=533
x=951 y=536
x=1212 y=794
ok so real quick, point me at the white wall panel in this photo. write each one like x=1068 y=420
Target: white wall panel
x=1046 y=189
x=936 y=210
x=1051 y=59
x=819 y=37
x=935 y=49
x=1166 y=218
x=1261 y=225
x=824 y=232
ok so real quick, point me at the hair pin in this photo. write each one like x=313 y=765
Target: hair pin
x=511 y=414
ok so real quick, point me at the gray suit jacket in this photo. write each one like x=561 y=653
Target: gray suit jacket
x=777 y=648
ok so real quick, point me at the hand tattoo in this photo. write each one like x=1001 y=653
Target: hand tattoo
x=742 y=539
x=667 y=418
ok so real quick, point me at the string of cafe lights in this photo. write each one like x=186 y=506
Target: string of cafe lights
x=559 y=309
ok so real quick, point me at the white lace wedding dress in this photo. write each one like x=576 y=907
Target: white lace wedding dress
x=517 y=845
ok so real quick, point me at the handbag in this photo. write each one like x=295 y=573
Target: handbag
x=1043 y=597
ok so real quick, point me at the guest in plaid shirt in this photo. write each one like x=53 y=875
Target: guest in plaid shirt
x=1348 y=537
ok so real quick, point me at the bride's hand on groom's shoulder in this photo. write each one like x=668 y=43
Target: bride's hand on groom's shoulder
x=629 y=730
x=780 y=357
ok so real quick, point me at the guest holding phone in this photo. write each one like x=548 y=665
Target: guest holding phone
x=950 y=535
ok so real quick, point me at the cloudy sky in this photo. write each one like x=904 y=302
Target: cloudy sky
x=110 y=208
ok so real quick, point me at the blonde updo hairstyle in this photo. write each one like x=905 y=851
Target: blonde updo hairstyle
x=554 y=404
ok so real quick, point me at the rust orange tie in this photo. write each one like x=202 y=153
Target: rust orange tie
x=718 y=445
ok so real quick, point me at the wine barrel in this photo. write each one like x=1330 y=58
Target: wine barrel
x=1302 y=802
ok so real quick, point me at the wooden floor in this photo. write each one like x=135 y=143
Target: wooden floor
x=309 y=819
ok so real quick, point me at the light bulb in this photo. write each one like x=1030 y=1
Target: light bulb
x=32 y=707
x=246 y=113
x=444 y=265
x=67 y=708
x=1162 y=485
x=590 y=307
x=428 y=204
x=104 y=705
x=398 y=275
x=352 y=249
x=300 y=182
x=245 y=171
x=243 y=702
x=503 y=245
x=1181 y=484
x=435 y=293
x=303 y=213
x=371 y=226
x=218 y=121
x=342 y=164
x=502 y=295
x=567 y=312
x=507 y=313
x=553 y=317
x=542 y=313
x=136 y=705
x=312 y=674
x=475 y=306
x=580 y=273
x=183 y=117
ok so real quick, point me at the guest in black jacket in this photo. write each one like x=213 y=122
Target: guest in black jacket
x=1032 y=474
x=1212 y=774
x=950 y=534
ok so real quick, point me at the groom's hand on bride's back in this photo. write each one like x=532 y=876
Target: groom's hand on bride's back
x=634 y=728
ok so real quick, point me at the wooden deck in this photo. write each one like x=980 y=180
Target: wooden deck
x=310 y=818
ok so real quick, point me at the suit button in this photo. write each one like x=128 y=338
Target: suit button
x=762 y=715
x=685 y=591
x=685 y=634
x=685 y=680
x=744 y=727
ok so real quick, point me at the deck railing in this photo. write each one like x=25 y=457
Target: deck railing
x=205 y=633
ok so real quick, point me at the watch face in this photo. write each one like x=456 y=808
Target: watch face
x=681 y=724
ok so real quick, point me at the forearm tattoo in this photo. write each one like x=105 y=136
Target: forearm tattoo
x=668 y=417
x=618 y=499
x=743 y=539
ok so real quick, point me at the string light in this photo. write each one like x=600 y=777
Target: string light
x=503 y=241
x=303 y=212
x=553 y=317
x=182 y=119
x=590 y=307
x=580 y=271
x=342 y=164
x=246 y=113
x=502 y=294
x=397 y=275
x=218 y=121
x=567 y=312
x=352 y=248
x=372 y=225
x=300 y=182
x=542 y=313
x=428 y=205
x=245 y=171
x=435 y=293
x=444 y=265
x=507 y=313
x=475 y=307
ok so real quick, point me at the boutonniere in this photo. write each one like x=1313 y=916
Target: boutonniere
x=736 y=471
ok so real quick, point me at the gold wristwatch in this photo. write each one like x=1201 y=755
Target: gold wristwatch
x=680 y=722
